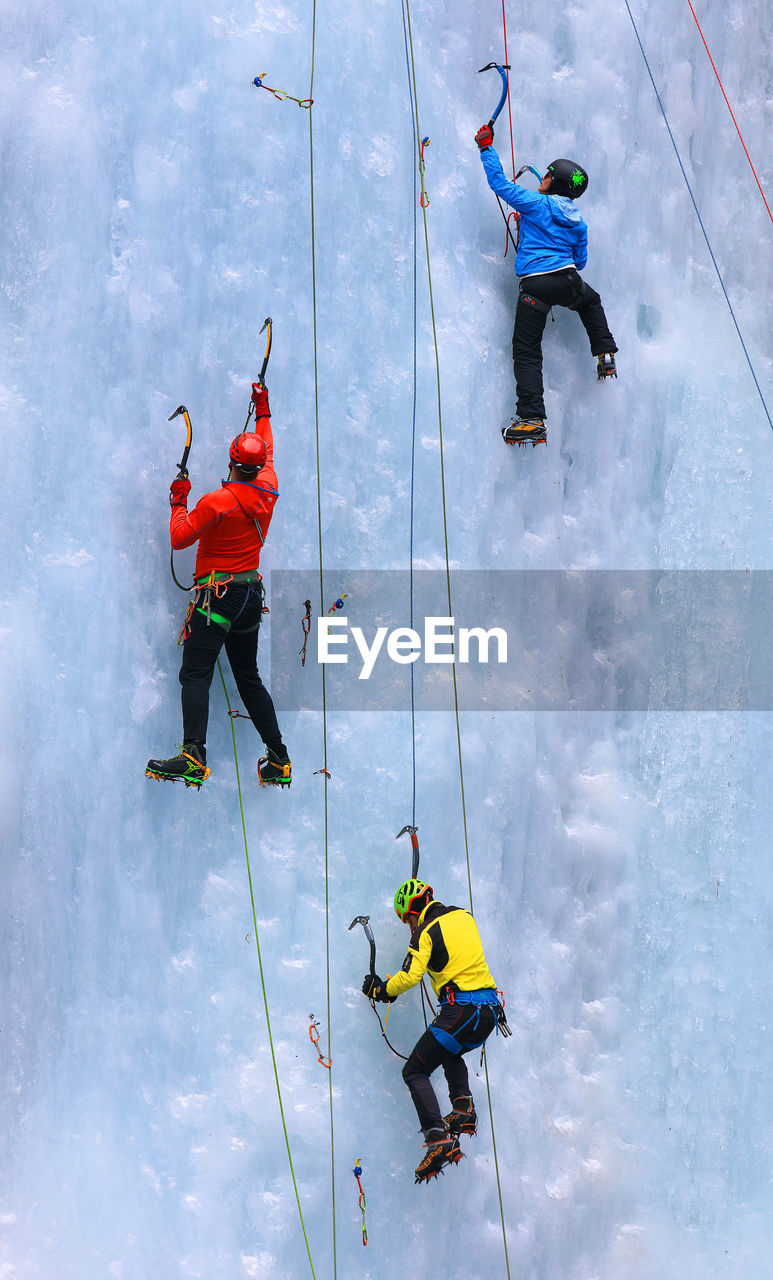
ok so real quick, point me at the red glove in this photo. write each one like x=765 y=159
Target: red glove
x=260 y=400
x=485 y=136
x=178 y=492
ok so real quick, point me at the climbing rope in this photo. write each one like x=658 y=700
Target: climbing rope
x=263 y=980
x=698 y=212
x=730 y=109
x=415 y=111
x=324 y=771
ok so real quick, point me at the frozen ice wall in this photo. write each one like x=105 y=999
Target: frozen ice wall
x=155 y=208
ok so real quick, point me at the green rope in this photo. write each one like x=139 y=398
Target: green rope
x=321 y=610
x=450 y=608
x=263 y=980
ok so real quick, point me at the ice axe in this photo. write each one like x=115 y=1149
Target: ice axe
x=182 y=474
x=412 y=832
x=268 y=323
x=183 y=468
x=363 y=920
x=503 y=70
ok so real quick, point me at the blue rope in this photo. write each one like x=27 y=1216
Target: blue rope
x=413 y=417
x=698 y=215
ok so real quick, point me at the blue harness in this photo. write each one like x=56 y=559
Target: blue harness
x=468 y=1035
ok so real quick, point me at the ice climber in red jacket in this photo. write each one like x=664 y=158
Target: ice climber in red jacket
x=230 y=525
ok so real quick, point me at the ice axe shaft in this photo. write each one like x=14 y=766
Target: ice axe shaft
x=268 y=323
x=364 y=921
x=412 y=832
x=183 y=468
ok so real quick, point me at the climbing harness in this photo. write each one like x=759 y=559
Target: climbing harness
x=306 y=624
x=314 y=1038
x=280 y=93
x=357 y=1171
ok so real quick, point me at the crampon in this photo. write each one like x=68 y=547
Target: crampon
x=521 y=431
x=439 y=1155
x=187 y=767
x=273 y=771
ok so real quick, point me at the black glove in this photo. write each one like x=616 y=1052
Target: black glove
x=485 y=136
x=178 y=492
x=375 y=989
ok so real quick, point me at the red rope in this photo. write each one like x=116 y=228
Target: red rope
x=730 y=109
x=509 y=111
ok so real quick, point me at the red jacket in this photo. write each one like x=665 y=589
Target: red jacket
x=224 y=521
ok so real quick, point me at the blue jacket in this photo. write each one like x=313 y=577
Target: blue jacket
x=553 y=233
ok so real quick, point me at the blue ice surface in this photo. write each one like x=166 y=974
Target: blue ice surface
x=156 y=207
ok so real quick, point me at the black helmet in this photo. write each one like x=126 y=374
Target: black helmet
x=569 y=179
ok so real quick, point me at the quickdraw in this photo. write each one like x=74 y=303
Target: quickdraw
x=314 y=1038
x=326 y=772
x=424 y=197
x=337 y=604
x=306 y=624
x=280 y=93
x=357 y=1171
x=185 y=630
x=214 y=587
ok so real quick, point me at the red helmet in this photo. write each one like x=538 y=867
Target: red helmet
x=248 y=450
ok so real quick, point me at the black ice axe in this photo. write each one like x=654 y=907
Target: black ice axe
x=363 y=920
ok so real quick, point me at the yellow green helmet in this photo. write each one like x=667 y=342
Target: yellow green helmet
x=407 y=895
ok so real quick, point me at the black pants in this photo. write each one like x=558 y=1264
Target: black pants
x=241 y=606
x=537 y=294
x=471 y=1025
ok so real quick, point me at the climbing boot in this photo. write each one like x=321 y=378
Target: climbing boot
x=190 y=766
x=275 y=769
x=442 y=1149
x=526 y=431
x=606 y=367
x=463 y=1118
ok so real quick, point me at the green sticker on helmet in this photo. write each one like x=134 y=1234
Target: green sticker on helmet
x=578 y=178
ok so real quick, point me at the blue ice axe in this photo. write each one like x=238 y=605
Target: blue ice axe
x=503 y=70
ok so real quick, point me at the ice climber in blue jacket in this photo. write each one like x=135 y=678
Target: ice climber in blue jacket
x=552 y=250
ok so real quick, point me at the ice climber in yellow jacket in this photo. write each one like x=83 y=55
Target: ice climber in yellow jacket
x=445 y=943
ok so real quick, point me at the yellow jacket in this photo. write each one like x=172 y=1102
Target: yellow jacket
x=446 y=945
